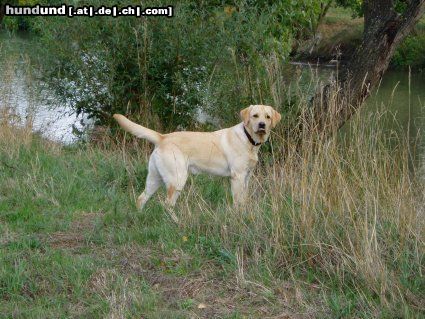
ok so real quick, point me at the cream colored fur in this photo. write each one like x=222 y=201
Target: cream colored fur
x=227 y=152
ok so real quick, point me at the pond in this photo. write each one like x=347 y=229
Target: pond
x=402 y=93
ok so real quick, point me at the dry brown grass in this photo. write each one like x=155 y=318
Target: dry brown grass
x=348 y=207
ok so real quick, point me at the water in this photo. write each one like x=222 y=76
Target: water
x=403 y=96
x=27 y=105
x=399 y=99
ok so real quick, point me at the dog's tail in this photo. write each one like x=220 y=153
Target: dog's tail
x=138 y=130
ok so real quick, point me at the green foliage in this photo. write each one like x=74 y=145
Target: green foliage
x=21 y=23
x=400 y=6
x=410 y=53
x=210 y=56
x=356 y=6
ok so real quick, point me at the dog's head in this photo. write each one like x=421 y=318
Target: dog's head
x=259 y=120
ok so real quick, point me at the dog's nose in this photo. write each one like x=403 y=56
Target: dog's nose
x=261 y=125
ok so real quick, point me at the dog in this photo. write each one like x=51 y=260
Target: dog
x=228 y=152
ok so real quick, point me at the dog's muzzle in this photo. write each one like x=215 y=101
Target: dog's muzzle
x=261 y=128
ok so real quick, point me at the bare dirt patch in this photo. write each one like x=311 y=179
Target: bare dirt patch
x=204 y=293
x=212 y=295
x=74 y=237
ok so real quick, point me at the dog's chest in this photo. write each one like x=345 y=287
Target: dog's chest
x=252 y=161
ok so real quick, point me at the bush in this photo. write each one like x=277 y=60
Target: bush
x=410 y=53
x=209 y=59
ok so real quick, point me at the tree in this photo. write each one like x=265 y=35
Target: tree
x=386 y=24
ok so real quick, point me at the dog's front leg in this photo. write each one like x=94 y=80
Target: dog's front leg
x=239 y=189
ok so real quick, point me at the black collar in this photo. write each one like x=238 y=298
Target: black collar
x=250 y=137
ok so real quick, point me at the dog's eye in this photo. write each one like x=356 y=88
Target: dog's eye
x=255 y=115
x=268 y=117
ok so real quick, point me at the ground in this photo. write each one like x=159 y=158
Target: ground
x=73 y=244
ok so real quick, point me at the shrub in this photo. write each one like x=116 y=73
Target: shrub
x=410 y=53
x=210 y=58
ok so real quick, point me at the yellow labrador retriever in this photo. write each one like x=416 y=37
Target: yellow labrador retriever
x=228 y=152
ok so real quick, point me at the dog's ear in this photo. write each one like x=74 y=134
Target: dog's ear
x=245 y=115
x=276 y=117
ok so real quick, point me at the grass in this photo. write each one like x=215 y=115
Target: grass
x=334 y=234
x=73 y=244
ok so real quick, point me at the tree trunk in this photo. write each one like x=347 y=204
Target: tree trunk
x=324 y=8
x=384 y=30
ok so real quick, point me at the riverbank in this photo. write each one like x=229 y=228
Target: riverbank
x=340 y=34
x=338 y=233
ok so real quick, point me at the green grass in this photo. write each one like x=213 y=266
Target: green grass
x=73 y=244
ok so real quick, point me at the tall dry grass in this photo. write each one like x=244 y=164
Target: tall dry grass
x=345 y=211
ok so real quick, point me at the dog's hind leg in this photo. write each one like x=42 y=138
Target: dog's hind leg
x=173 y=167
x=173 y=193
x=153 y=182
x=175 y=184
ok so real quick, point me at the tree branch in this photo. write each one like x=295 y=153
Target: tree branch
x=411 y=16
